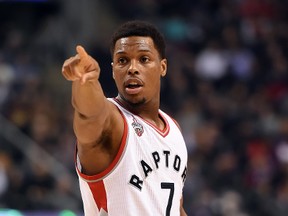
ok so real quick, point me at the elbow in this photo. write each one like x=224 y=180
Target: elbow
x=82 y=116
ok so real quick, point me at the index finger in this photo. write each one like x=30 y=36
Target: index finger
x=81 y=52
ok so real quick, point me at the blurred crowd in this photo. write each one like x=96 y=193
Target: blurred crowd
x=227 y=86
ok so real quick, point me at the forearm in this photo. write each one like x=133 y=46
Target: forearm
x=91 y=110
x=88 y=99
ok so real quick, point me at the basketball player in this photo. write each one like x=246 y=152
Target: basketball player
x=130 y=157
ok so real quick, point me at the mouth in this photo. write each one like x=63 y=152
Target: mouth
x=133 y=86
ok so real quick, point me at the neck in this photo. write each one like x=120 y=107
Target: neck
x=146 y=110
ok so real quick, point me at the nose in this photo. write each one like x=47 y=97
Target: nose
x=133 y=69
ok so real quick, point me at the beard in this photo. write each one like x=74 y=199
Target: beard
x=132 y=103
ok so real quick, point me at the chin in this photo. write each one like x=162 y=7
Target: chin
x=134 y=101
x=138 y=103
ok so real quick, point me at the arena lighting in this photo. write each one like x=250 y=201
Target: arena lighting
x=13 y=212
x=10 y=212
x=67 y=213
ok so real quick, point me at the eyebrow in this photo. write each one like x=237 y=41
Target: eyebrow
x=141 y=50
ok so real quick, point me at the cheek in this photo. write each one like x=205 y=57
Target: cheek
x=115 y=73
x=117 y=78
x=154 y=80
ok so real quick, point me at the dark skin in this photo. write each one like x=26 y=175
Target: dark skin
x=98 y=124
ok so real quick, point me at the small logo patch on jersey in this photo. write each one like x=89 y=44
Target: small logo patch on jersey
x=137 y=127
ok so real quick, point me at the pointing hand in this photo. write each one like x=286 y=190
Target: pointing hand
x=81 y=67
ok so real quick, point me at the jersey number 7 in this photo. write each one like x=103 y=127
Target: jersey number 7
x=169 y=186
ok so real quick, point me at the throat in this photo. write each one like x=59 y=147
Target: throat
x=138 y=108
x=159 y=123
x=162 y=124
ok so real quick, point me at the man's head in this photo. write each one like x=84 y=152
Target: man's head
x=140 y=28
x=138 y=53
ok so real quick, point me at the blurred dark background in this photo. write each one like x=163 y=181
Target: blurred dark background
x=227 y=86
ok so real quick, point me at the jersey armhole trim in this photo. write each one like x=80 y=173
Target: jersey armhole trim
x=114 y=163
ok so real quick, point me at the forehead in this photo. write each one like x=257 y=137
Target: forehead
x=134 y=42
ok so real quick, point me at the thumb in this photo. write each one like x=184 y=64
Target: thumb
x=81 y=52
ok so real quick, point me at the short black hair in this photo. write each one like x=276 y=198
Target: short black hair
x=139 y=28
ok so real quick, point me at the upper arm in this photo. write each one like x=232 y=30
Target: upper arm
x=89 y=129
x=182 y=211
x=98 y=138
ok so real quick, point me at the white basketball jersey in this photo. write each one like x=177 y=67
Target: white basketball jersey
x=147 y=175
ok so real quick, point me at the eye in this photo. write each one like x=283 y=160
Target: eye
x=122 y=60
x=144 y=59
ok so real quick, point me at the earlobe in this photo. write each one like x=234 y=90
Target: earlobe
x=163 y=73
x=164 y=67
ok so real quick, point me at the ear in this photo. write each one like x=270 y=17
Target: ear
x=163 y=67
